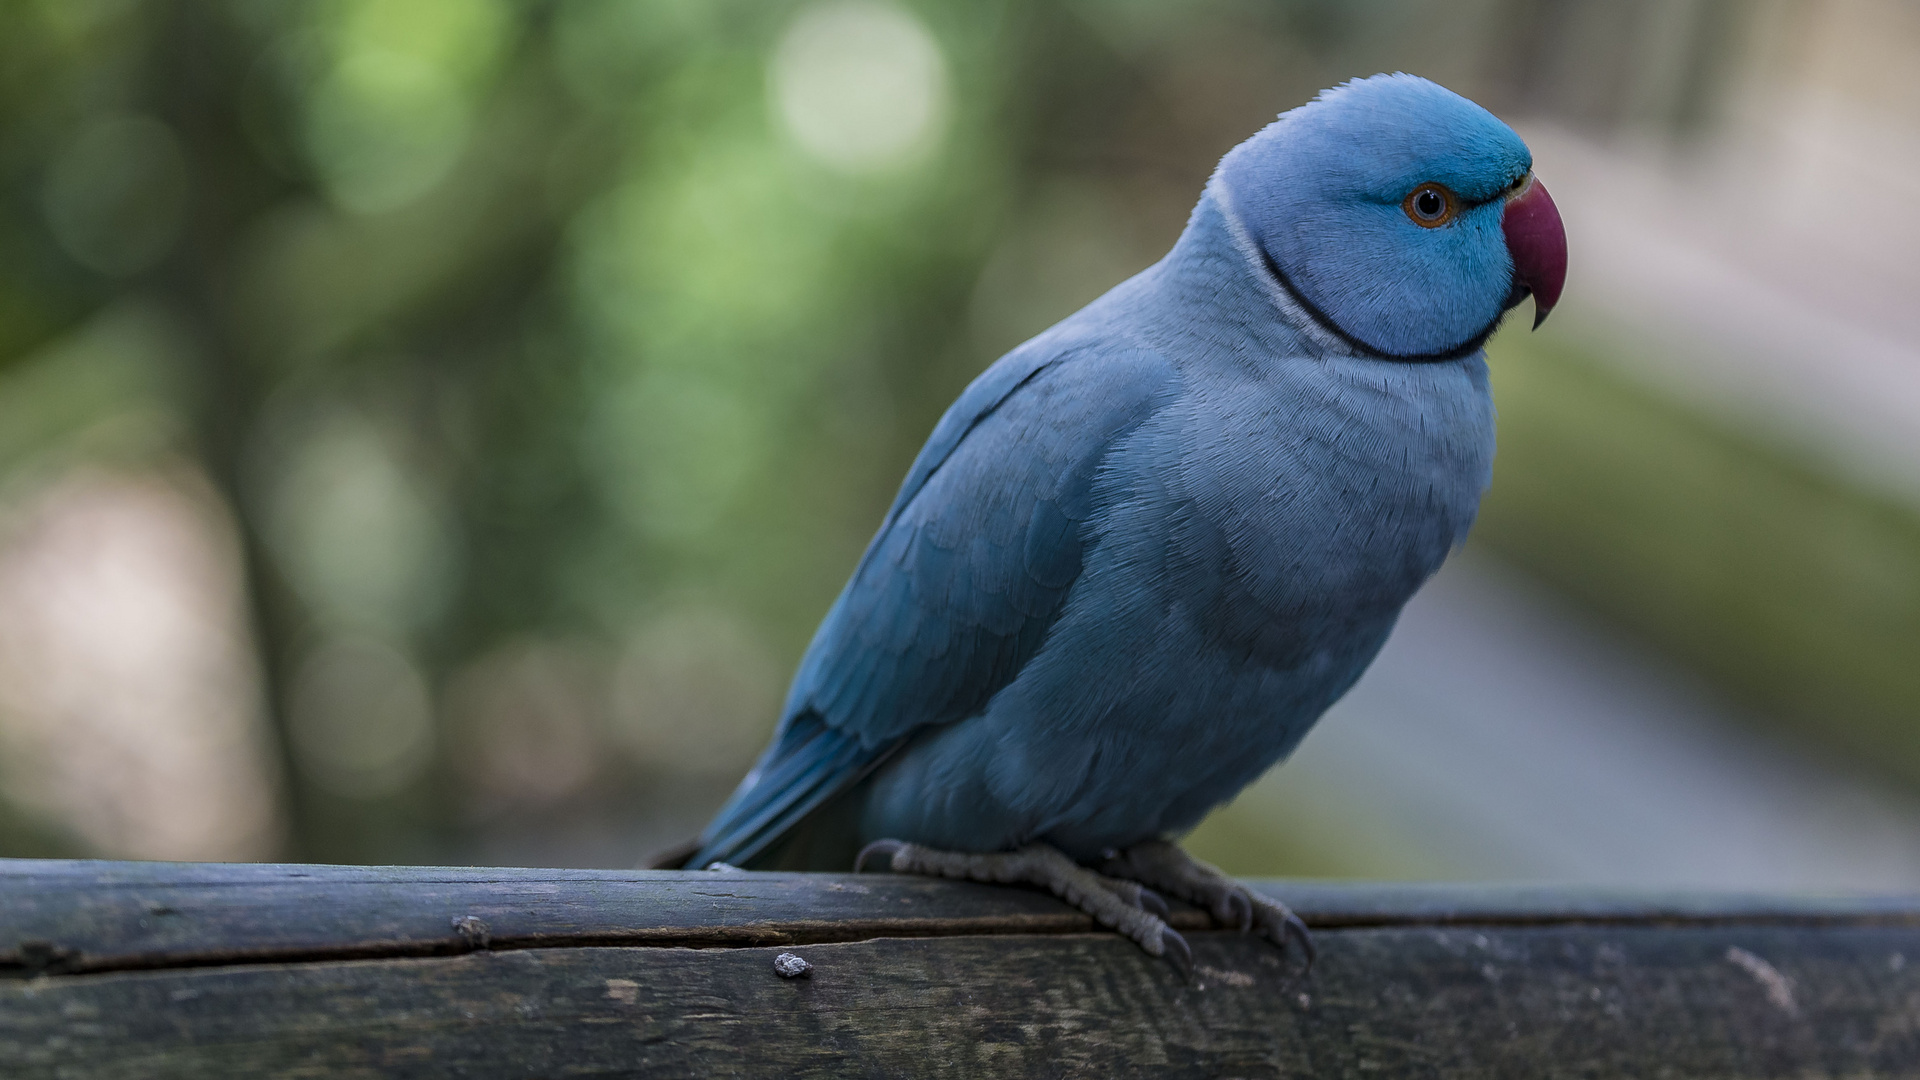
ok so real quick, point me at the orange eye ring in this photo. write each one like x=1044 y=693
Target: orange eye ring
x=1430 y=206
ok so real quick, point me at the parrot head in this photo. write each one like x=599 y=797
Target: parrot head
x=1399 y=215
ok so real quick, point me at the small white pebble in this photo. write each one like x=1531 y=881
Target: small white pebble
x=789 y=966
x=473 y=930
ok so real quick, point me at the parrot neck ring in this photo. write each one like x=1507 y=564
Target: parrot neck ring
x=1360 y=348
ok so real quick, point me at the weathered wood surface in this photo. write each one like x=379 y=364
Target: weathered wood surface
x=161 y=970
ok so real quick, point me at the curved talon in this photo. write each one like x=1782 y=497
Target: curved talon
x=1296 y=929
x=889 y=848
x=1151 y=901
x=1175 y=948
x=1235 y=909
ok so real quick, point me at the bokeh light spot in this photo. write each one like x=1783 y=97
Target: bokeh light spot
x=390 y=116
x=696 y=689
x=359 y=718
x=673 y=451
x=384 y=129
x=462 y=38
x=116 y=195
x=861 y=86
x=354 y=532
x=528 y=720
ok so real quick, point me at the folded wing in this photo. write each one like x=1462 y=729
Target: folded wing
x=957 y=591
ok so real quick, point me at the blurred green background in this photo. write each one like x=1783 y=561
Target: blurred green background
x=430 y=429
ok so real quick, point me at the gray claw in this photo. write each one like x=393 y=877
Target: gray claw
x=1235 y=909
x=1175 y=949
x=1297 y=930
x=1152 y=901
x=888 y=848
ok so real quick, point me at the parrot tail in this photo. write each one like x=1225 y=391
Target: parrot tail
x=807 y=765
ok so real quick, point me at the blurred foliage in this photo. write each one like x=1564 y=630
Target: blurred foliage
x=1794 y=591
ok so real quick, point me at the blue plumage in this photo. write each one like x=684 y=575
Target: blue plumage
x=1143 y=552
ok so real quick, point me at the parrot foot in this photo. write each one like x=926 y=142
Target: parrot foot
x=1128 y=906
x=1164 y=866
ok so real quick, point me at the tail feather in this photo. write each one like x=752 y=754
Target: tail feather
x=807 y=765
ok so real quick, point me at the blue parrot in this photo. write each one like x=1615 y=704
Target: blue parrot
x=1144 y=551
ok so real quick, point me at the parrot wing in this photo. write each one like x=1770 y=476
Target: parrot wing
x=957 y=590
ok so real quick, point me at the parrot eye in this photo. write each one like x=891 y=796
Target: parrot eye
x=1430 y=206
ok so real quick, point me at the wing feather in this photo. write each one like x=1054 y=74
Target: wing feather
x=955 y=593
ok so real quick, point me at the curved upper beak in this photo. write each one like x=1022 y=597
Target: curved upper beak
x=1538 y=243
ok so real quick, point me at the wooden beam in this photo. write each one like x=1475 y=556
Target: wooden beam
x=160 y=970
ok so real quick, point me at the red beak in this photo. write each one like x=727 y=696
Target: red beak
x=1538 y=244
